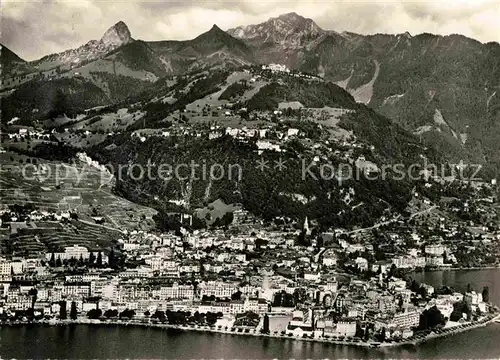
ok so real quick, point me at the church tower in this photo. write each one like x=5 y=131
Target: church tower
x=306 y=228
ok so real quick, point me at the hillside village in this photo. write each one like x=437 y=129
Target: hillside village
x=349 y=285
x=336 y=283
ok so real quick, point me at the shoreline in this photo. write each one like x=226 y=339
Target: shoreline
x=475 y=268
x=451 y=331
x=362 y=344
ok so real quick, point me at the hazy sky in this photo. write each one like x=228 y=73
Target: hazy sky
x=40 y=27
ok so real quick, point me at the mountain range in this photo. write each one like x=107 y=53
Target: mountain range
x=443 y=89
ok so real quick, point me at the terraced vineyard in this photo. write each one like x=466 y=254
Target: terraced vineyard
x=54 y=189
x=79 y=187
x=54 y=236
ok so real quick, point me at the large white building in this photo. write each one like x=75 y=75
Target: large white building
x=217 y=288
x=176 y=291
x=434 y=260
x=346 y=328
x=276 y=68
x=409 y=262
x=329 y=258
x=403 y=320
x=7 y=267
x=407 y=319
x=435 y=250
x=69 y=252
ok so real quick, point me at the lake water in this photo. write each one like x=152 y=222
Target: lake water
x=86 y=341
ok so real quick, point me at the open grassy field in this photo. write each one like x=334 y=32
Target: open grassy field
x=212 y=100
x=328 y=117
x=216 y=209
x=112 y=67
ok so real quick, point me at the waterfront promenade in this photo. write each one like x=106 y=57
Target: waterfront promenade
x=415 y=340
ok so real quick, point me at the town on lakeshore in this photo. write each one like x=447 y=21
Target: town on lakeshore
x=272 y=180
x=245 y=277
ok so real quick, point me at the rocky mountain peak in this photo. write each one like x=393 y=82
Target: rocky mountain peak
x=216 y=31
x=291 y=15
x=214 y=34
x=117 y=35
x=7 y=55
x=288 y=29
x=296 y=22
x=293 y=18
x=216 y=39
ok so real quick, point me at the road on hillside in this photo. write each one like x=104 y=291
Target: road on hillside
x=389 y=221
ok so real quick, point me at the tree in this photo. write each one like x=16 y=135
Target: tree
x=265 y=326
x=202 y=269
x=319 y=242
x=60 y=106
x=226 y=219
x=368 y=332
x=91 y=259
x=302 y=240
x=392 y=270
x=469 y=288
x=58 y=262
x=160 y=315
x=111 y=313
x=360 y=333
x=99 y=260
x=63 y=314
x=197 y=317
x=94 y=313
x=400 y=302
x=73 y=313
x=486 y=294
x=127 y=314
x=431 y=318
x=111 y=257
x=459 y=309
x=52 y=261
x=211 y=318
x=423 y=292
x=236 y=295
x=381 y=336
x=260 y=242
x=72 y=261
x=34 y=293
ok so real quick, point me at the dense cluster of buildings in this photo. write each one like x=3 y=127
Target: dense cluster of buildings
x=217 y=271
x=247 y=267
